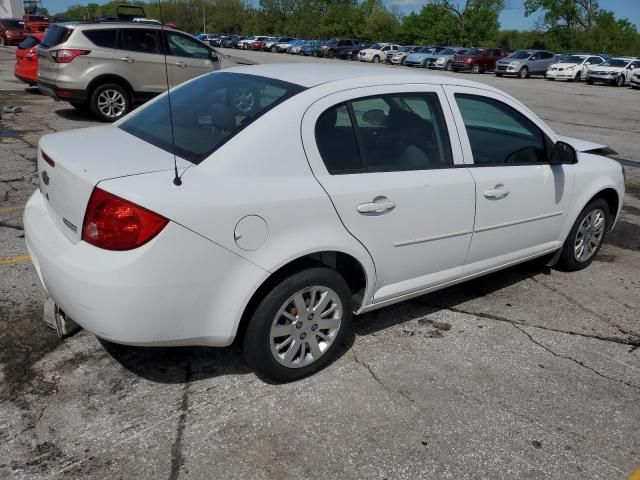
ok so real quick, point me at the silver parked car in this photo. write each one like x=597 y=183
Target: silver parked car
x=525 y=62
x=443 y=59
x=107 y=67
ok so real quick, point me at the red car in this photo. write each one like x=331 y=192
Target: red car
x=35 y=23
x=26 y=67
x=12 y=31
x=478 y=60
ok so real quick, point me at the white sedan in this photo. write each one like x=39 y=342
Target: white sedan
x=572 y=67
x=397 y=184
x=377 y=52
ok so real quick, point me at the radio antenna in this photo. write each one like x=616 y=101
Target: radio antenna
x=177 y=181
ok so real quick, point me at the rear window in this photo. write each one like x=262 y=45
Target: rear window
x=207 y=112
x=12 y=23
x=56 y=35
x=102 y=38
x=29 y=42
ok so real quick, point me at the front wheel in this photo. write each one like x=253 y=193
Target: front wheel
x=476 y=69
x=498 y=74
x=578 y=76
x=586 y=236
x=330 y=54
x=523 y=73
x=589 y=82
x=448 y=67
x=376 y=59
x=620 y=81
x=110 y=102
x=299 y=325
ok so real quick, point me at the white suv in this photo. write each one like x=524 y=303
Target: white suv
x=377 y=52
x=398 y=184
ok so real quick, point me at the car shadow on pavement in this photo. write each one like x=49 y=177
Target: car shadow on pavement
x=185 y=364
x=73 y=114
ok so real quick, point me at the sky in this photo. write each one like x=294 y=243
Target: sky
x=511 y=18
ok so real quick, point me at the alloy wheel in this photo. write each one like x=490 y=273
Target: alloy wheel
x=112 y=103
x=589 y=235
x=244 y=101
x=475 y=68
x=305 y=326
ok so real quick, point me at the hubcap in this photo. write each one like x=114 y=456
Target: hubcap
x=590 y=235
x=305 y=326
x=111 y=103
x=244 y=101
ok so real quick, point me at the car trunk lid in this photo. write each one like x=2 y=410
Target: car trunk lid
x=71 y=164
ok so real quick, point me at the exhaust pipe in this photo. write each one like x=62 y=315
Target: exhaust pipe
x=55 y=318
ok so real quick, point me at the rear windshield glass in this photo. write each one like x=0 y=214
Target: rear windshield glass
x=12 y=23
x=207 y=112
x=521 y=55
x=29 y=42
x=56 y=35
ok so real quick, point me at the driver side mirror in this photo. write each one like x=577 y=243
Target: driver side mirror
x=563 y=154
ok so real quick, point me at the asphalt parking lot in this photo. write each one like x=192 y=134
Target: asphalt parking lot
x=529 y=373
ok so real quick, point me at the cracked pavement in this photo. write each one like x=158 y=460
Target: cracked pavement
x=527 y=373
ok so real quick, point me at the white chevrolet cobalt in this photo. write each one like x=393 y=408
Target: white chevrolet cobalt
x=295 y=204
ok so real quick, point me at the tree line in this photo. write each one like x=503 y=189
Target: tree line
x=562 y=25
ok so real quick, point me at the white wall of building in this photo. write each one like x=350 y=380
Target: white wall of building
x=11 y=9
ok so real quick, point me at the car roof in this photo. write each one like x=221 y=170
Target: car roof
x=308 y=75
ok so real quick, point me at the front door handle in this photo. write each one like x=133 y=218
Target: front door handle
x=181 y=64
x=497 y=192
x=127 y=59
x=379 y=206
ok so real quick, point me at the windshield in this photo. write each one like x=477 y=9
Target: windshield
x=425 y=50
x=406 y=49
x=12 y=23
x=615 y=62
x=332 y=42
x=475 y=52
x=447 y=51
x=376 y=46
x=207 y=112
x=29 y=42
x=572 y=59
x=521 y=55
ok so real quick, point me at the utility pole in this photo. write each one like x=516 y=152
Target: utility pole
x=204 y=21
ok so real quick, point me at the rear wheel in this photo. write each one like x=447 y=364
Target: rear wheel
x=110 y=102
x=299 y=325
x=2 y=41
x=273 y=49
x=586 y=236
x=523 y=73
x=476 y=69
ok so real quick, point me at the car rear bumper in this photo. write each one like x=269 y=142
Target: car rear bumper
x=178 y=289
x=59 y=93
x=29 y=79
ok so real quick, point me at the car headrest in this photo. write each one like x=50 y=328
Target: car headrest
x=222 y=117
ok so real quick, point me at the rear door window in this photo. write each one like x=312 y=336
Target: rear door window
x=105 y=38
x=139 y=40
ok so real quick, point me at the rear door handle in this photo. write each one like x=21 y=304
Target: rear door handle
x=497 y=192
x=127 y=59
x=379 y=206
x=181 y=64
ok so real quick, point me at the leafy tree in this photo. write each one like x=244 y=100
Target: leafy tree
x=477 y=21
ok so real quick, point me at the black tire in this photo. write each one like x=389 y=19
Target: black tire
x=330 y=54
x=523 y=73
x=476 y=69
x=456 y=70
x=568 y=260
x=550 y=79
x=448 y=67
x=498 y=74
x=589 y=82
x=620 y=81
x=376 y=59
x=2 y=41
x=578 y=76
x=81 y=106
x=257 y=338
x=98 y=91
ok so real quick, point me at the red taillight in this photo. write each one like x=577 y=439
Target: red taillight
x=114 y=223
x=66 y=55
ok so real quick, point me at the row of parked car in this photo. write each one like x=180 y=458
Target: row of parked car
x=588 y=67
